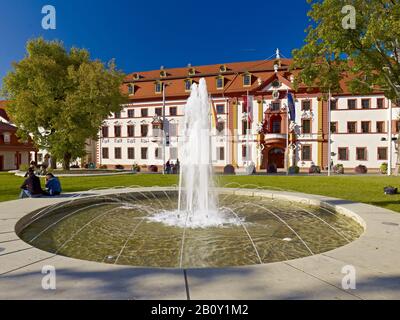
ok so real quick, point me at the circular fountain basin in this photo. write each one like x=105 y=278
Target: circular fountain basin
x=128 y=229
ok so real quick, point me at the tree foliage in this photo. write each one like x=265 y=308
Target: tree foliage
x=60 y=97
x=368 y=55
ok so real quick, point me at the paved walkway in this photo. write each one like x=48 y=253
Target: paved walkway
x=375 y=256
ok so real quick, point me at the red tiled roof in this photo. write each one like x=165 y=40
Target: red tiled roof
x=262 y=69
x=7 y=127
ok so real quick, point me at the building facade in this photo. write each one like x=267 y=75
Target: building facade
x=13 y=152
x=250 y=120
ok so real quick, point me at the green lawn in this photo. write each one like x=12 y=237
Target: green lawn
x=367 y=189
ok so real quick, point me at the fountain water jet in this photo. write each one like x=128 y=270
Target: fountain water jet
x=197 y=204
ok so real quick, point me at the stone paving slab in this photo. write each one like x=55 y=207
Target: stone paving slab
x=76 y=279
x=275 y=281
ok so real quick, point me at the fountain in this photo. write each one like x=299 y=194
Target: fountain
x=192 y=226
x=197 y=200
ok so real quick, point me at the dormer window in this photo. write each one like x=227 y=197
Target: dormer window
x=222 y=68
x=220 y=82
x=247 y=79
x=163 y=74
x=276 y=84
x=158 y=86
x=188 y=84
x=191 y=71
x=131 y=89
x=136 y=76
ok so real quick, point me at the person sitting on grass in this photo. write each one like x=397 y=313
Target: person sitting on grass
x=31 y=187
x=53 y=185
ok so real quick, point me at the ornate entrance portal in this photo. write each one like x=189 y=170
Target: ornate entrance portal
x=273 y=156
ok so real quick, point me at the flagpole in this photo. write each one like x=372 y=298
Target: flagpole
x=329 y=133
x=287 y=134
x=248 y=131
x=389 y=167
x=164 y=127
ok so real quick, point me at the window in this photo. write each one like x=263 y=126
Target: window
x=163 y=74
x=246 y=152
x=173 y=111
x=306 y=153
x=40 y=157
x=158 y=112
x=131 y=113
x=188 y=84
x=382 y=153
x=117 y=131
x=397 y=126
x=117 y=153
x=246 y=79
x=380 y=103
x=117 y=115
x=104 y=153
x=158 y=87
x=131 y=130
x=306 y=126
x=361 y=154
x=173 y=129
x=158 y=153
x=220 y=108
x=365 y=103
x=144 y=112
x=222 y=68
x=343 y=154
x=131 y=89
x=220 y=126
x=104 y=132
x=352 y=127
x=144 y=130
x=245 y=126
x=334 y=127
x=276 y=126
x=365 y=126
x=220 y=153
x=191 y=71
x=306 y=105
x=143 y=153
x=276 y=106
x=131 y=153
x=220 y=82
x=333 y=104
x=380 y=126
x=173 y=153
x=351 y=104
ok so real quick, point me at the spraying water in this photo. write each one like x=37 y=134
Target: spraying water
x=197 y=204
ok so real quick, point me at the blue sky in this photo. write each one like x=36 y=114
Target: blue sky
x=143 y=35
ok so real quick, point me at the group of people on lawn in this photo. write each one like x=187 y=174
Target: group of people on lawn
x=31 y=188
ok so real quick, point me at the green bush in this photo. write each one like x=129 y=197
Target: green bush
x=338 y=168
x=384 y=168
x=23 y=167
x=294 y=170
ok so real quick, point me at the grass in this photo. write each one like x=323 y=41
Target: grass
x=366 y=189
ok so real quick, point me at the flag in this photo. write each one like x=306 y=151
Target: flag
x=291 y=107
x=248 y=107
x=214 y=118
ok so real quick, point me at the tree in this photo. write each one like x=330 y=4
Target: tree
x=368 y=55
x=354 y=41
x=59 y=98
